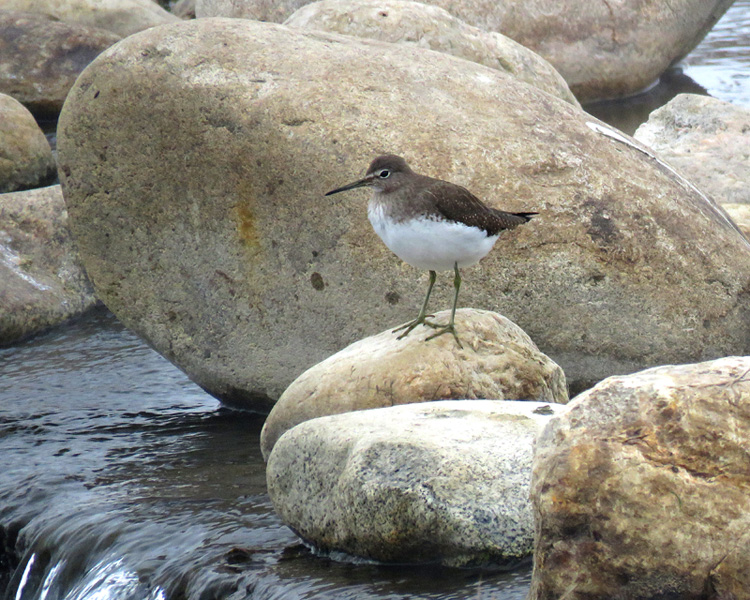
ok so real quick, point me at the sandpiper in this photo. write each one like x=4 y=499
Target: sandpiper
x=430 y=224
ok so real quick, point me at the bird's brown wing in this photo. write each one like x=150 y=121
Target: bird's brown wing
x=458 y=204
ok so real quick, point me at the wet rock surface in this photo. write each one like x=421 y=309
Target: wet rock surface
x=442 y=482
x=640 y=488
x=40 y=58
x=498 y=361
x=26 y=159
x=42 y=282
x=708 y=140
x=399 y=21
x=194 y=174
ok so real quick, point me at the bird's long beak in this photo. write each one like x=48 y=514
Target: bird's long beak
x=361 y=183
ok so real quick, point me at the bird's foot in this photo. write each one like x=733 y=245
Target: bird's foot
x=441 y=329
x=421 y=320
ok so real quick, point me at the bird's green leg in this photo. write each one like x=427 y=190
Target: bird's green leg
x=451 y=324
x=422 y=313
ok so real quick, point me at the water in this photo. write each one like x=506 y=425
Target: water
x=120 y=479
x=719 y=66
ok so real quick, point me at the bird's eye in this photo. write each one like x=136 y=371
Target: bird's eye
x=384 y=174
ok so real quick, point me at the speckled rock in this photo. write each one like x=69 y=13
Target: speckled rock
x=123 y=17
x=402 y=21
x=443 y=482
x=40 y=58
x=708 y=140
x=640 y=490
x=498 y=361
x=608 y=50
x=42 y=282
x=26 y=159
x=229 y=260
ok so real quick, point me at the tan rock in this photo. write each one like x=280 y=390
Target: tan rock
x=40 y=58
x=228 y=259
x=498 y=361
x=608 y=50
x=26 y=159
x=640 y=489
x=740 y=214
x=402 y=21
x=708 y=140
x=442 y=482
x=42 y=282
x=123 y=17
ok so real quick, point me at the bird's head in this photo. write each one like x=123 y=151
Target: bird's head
x=386 y=173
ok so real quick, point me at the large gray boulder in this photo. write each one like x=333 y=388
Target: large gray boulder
x=40 y=58
x=26 y=159
x=640 y=488
x=707 y=138
x=123 y=17
x=442 y=482
x=42 y=282
x=602 y=49
x=194 y=173
x=403 y=21
x=498 y=361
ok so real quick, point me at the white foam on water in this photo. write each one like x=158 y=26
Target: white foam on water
x=25 y=577
x=113 y=581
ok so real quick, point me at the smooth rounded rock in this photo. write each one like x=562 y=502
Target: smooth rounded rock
x=498 y=360
x=707 y=139
x=402 y=21
x=607 y=50
x=195 y=174
x=26 y=159
x=42 y=282
x=123 y=17
x=640 y=489
x=40 y=58
x=444 y=482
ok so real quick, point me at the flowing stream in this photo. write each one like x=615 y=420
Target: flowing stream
x=122 y=480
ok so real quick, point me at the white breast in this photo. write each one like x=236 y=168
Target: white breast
x=429 y=243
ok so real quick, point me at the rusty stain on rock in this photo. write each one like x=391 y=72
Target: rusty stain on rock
x=246 y=226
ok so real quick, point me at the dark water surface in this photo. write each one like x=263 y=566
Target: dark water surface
x=120 y=479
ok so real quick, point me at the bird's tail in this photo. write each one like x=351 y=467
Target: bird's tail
x=526 y=216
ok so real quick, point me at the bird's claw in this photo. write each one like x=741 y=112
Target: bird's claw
x=412 y=324
x=445 y=329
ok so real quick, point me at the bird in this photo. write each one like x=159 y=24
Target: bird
x=430 y=224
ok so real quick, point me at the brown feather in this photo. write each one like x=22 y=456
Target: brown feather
x=458 y=204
